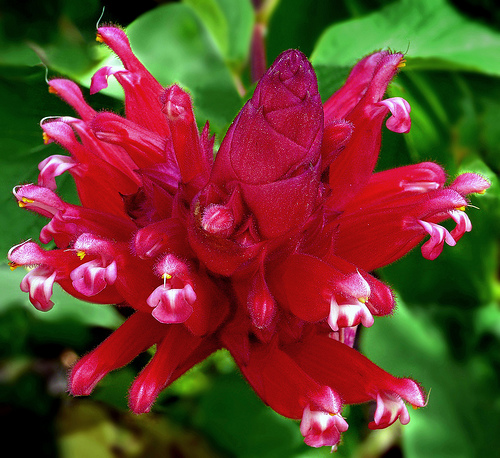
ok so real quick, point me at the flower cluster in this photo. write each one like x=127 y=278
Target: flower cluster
x=265 y=250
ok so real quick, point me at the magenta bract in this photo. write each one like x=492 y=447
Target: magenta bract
x=265 y=251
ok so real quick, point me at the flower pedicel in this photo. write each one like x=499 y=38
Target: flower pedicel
x=264 y=251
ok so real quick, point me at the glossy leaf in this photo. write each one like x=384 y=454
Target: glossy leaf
x=452 y=424
x=431 y=32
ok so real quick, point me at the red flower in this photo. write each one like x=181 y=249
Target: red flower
x=264 y=251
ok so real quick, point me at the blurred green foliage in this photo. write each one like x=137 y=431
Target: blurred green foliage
x=446 y=330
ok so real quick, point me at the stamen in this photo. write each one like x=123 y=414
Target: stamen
x=46 y=138
x=81 y=254
x=24 y=201
x=13 y=265
x=166 y=277
x=46 y=73
x=99 y=20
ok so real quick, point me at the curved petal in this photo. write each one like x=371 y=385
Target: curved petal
x=137 y=334
x=360 y=105
x=142 y=90
x=39 y=282
x=71 y=94
x=176 y=346
x=178 y=111
x=353 y=376
x=400 y=120
x=281 y=383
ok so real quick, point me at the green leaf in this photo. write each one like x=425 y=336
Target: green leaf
x=240 y=20
x=330 y=78
x=55 y=32
x=241 y=424
x=214 y=20
x=451 y=116
x=431 y=32
x=463 y=410
x=298 y=24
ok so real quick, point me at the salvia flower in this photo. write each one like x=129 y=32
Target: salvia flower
x=265 y=251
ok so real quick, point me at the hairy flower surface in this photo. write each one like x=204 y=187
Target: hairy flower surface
x=265 y=251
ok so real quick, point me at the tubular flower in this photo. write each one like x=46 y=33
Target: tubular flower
x=265 y=251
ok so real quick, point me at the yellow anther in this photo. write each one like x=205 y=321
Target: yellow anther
x=24 y=201
x=402 y=63
x=363 y=300
x=13 y=265
x=46 y=138
x=462 y=208
x=166 y=277
x=81 y=254
x=99 y=38
x=52 y=90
